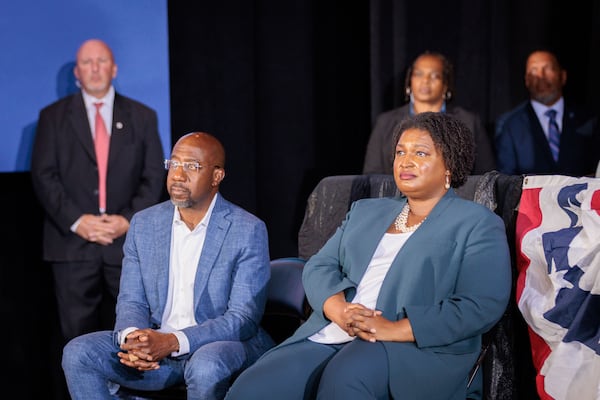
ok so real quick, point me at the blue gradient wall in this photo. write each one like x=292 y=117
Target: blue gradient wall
x=38 y=42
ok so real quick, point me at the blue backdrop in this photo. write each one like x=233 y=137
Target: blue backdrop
x=38 y=42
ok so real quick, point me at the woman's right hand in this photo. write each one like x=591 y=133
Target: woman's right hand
x=335 y=309
x=342 y=313
x=356 y=315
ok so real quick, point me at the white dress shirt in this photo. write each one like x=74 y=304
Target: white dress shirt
x=186 y=248
x=368 y=287
x=106 y=111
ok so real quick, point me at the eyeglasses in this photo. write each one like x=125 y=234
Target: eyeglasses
x=188 y=166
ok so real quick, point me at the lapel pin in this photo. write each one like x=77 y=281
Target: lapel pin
x=119 y=125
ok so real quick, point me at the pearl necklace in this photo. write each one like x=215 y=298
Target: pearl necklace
x=402 y=219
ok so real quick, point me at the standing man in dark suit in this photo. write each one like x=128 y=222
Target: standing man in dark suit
x=529 y=141
x=88 y=208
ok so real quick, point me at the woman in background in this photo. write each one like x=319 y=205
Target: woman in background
x=429 y=86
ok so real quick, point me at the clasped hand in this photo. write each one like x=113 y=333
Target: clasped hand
x=371 y=325
x=362 y=322
x=365 y=323
x=144 y=348
x=102 y=229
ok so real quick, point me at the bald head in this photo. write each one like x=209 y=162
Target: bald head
x=194 y=188
x=95 y=67
x=210 y=146
x=95 y=45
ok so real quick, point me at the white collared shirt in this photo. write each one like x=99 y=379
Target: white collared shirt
x=185 y=250
x=106 y=111
x=540 y=110
x=369 y=286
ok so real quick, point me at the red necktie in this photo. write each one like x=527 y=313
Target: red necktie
x=101 y=143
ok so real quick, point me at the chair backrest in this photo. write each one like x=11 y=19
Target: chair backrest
x=286 y=307
x=330 y=200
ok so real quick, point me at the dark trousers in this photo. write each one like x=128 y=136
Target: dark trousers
x=86 y=294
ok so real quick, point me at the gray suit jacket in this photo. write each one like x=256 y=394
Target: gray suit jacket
x=230 y=288
x=379 y=158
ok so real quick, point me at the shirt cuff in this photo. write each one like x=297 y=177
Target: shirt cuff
x=184 y=344
x=123 y=334
x=75 y=225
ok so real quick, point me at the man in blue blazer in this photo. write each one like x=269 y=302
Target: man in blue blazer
x=523 y=135
x=82 y=242
x=192 y=293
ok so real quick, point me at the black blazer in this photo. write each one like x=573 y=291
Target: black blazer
x=379 y=158
x=65 y=177
x=522 y=147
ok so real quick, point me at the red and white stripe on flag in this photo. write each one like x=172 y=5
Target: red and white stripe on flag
x=558 y=286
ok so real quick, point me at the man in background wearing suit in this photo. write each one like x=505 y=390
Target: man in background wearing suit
x=546 y=134
x=87 y=215
x=193 y=290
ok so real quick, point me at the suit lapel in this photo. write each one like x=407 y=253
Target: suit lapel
x=388 y=294
x=77 y=115
x=539 y=138
x=162 y=229
x=121 y=127
x=372 y=236
x=217 y=229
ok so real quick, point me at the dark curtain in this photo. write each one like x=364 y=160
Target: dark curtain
x=488 y=43
x=292 y=87
x=284 y=85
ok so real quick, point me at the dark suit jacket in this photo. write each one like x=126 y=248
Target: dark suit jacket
x=522 y=147
x=65 y=176
x=379 y=158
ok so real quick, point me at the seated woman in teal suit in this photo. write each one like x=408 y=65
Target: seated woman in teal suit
x=403 y=290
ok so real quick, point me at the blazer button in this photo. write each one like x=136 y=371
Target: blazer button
x=95 y=192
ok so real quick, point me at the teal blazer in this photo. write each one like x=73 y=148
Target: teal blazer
x=451 y=279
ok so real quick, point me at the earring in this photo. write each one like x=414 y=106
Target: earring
x=447 y=185
x=447 y=95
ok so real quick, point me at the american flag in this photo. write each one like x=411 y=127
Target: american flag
x=558 y=286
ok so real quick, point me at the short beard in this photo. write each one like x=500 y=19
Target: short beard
x=543 y=91
x=546 y=98
x=182 y=203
